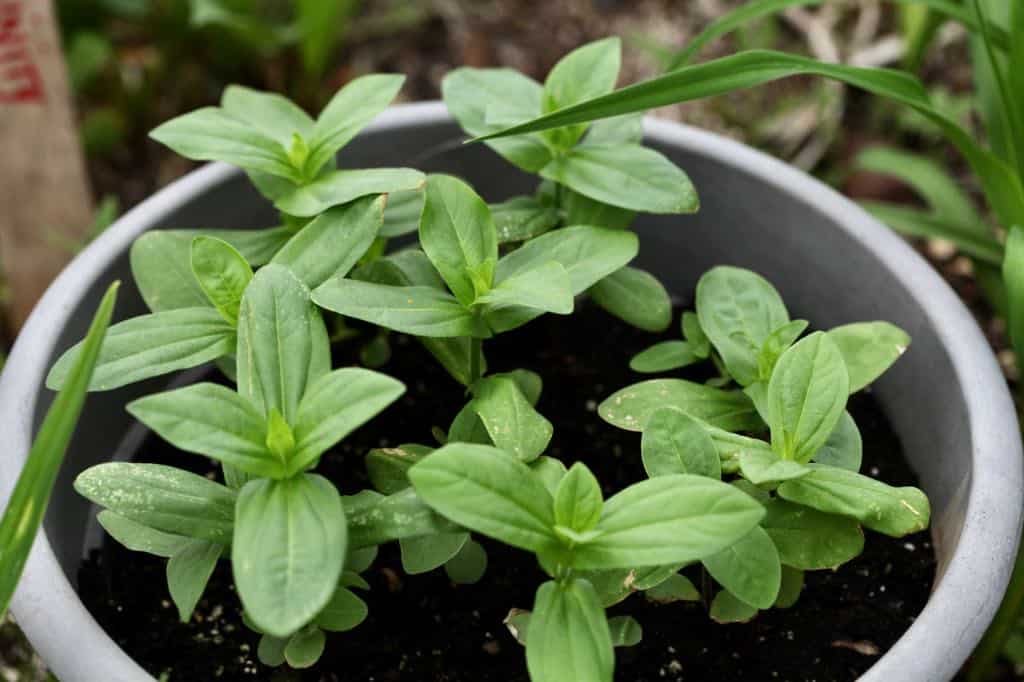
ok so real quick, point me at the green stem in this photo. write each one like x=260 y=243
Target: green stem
x=994 y=641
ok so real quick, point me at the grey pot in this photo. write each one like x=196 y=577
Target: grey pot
x=946 y=397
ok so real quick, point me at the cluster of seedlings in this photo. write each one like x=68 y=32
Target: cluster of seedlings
x=753 y=474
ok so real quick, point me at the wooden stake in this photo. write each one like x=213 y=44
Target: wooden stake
x=44 y=191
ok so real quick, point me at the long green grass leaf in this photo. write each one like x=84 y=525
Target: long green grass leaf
x=757 y=67
x=31 y=494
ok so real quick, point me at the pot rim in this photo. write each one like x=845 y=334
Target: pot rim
x=985 y=549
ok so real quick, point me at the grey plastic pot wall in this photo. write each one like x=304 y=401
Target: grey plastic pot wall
x=833 y=264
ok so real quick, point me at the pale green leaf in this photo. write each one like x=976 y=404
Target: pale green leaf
x=636 y=297
x=631 y=407
x=333 y=242
x=288 y=551
x=880 y=507
x=151 y=345
x=489 y=491
x=343 y=186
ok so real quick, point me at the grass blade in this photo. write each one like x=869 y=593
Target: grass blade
x=756 y=67
x=31 y=494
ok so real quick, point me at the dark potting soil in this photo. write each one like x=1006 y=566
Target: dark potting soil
x=423 y=628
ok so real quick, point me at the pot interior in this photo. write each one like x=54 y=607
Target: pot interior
x=826 y=275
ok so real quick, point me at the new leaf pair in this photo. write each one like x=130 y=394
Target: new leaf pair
x=593 y=175
x=799 y=390
x=289 y=156
x=481 y=294
x=194 y=282
x=286 y=527
x=566 y=522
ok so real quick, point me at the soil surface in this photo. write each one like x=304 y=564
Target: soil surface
x=424 y=628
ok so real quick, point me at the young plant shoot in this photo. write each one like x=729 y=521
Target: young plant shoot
x=753 y=476
x=794 y=391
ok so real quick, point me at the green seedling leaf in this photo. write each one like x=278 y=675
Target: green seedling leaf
x=810 y=540
x=844 y=448
x=305 y=647
x=424 y=554
x=343 y=612
x=344 y=186
x=273 y=115
x=270 y=650
x=731 y=447
x=151 y=345
x=140 y=538
x=161 y=262
x=627 y=176
x=628 y=129
x=475 y=95
x=457 y=233
x=417 y=310
x=546 y=288
x=162 y=497
x=664 y=357
x=790 y=589
x=749 y=569
x=212 y=134
x=636 y=297
x=333 y=242
x=374 y=519
x=412 y=268
x=523 y=218
x=806 y=397
x=402 y=215
x=630 y=408
x=280 y=440
x=511 y=422
x=188 y=571
x=549 y=471
x=676 y=443
x=348 y=112
x=588 y=254
x=666 y=520
x=777 y=343
x=738 y=311
x=388 y=467
x=582 y=210
x=728 y=608
x=222 y=274
x=31 y=494
x=334 y=406
x=489 y=491
x=893 y=511
x=586 y=72
x=469 y=565
x=868 y=349
x=676 y=587
x=209 y=419
x=568 y=636
x=625 y=631
x=578 y=499
x=282 y=342
x=694 y=335
x=764 y=466
x=288 y=551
